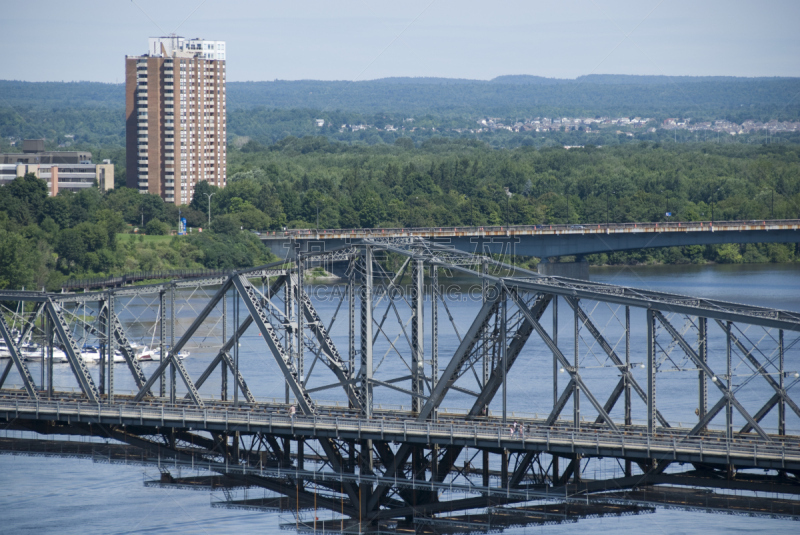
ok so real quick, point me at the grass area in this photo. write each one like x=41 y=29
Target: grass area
x=125 y=238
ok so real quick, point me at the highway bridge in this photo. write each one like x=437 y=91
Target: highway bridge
x=550 y=241
x=398 y=416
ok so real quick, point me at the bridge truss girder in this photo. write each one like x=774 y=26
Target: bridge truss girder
x=506 y=333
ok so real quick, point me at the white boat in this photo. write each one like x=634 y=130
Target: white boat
x=31 y=351
x=142 y=352
x=59 y=355
x=156 y=354
x=147 y=354
x=92 y=354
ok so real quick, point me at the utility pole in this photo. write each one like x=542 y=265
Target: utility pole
x=508 y=199
x=209 y=206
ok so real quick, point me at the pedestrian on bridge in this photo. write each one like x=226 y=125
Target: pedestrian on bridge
x=292 y=412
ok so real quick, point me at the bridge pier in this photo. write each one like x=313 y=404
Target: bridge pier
x=571 y=270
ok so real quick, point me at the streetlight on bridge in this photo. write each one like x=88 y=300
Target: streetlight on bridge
x=209 y=207
x=607 y=206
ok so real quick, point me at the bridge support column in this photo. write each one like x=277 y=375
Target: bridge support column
x=417 y=334
x=301 y=318
x=571 y=270
x=103 y=345
x=434 y=326
x=702 y=384
x=781 y=401
x=651 y=371
x=223 y=366
x=173 y=383
x=555 y=356
x=366 y=333
x=288 y=302
x=287 y=452
x=235 y=371
x=162 y=321
x=576 y=392
x=728 y=404
x=49 y=330
x=484 y=332
x=485 y=468
x=110 y=346
x=301 y=455
x=628 y=466
x=504 y=469
x=504 y=351
x=365 y=489
x=351 y=311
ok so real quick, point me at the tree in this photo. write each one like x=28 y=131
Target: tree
x=200 y=201
x=227 y=224
x=156 y=228
x=30 y=190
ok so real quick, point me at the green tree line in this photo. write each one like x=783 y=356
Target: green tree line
x=314 y=182
x=45 y=240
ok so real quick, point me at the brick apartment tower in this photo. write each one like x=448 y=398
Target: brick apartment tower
x=175 y=117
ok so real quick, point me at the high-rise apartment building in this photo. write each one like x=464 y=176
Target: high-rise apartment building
x=175 y=117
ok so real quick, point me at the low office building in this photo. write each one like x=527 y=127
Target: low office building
x=61 y=170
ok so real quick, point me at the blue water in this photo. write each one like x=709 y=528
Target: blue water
x=44 y=495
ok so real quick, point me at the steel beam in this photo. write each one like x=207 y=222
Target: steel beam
x=564 y=363
x=365 y=375
x=520 y=338
x=417 y=335
x=702 y=380
x=651 y=372
x=624 y=367
x=79 y=368
x=17 y=359
x=461 y=356
x=171 y=357
x=783 y=399
x=726 y=393
x=238 y=377
x=251 y=301
x=434 y=272
x=333 y=359
x=229 y=343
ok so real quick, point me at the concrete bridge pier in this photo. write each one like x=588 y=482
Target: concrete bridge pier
x=572 y=270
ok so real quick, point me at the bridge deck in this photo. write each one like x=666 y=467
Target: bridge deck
x=535 y=230
x=668 y=444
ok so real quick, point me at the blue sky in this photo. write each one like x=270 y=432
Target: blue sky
x=362 y=40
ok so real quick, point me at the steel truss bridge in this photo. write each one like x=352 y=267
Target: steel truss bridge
x=403 y=417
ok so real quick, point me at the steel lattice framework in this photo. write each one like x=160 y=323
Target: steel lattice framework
x=616 y=348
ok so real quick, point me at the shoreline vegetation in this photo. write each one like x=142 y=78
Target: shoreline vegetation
x=432 y=152
x=312 y=183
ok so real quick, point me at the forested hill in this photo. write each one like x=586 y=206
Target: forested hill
x=92 y=113
x=651 y=96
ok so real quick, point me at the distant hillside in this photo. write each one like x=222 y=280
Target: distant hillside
x=268 y=111
x=737 y=98
x=712 y=97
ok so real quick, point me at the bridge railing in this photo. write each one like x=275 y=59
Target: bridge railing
x=664 y=443
x=683 y=226
x=121 y=280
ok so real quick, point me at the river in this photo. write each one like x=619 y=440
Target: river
x=51 y=495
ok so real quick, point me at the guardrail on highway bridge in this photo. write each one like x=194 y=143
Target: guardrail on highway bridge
x=533 y=230
x=667 y=444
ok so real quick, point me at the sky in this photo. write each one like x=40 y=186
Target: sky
x=47 y=40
